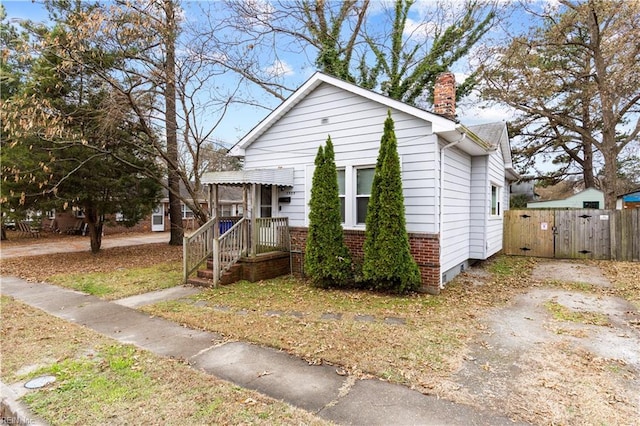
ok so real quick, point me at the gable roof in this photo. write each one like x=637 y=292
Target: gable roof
x=497 y=134
x=444 y=127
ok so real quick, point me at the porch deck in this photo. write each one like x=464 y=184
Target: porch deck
x=227 y=240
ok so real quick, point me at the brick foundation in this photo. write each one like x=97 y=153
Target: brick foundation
x=265 y=266
x=425 y=249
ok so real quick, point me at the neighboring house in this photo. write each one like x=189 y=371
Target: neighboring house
x=455 y=178
x=630 y=200
x=230 y=203
x=590 y=198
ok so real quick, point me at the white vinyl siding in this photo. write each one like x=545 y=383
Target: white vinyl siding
x=355 y=125
x=495 y=222
x=456 y=208
x=479 y=207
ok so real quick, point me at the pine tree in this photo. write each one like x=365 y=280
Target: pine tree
x=388 y=264
x=327 y=260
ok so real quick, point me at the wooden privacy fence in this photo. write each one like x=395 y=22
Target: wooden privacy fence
x=573 y=234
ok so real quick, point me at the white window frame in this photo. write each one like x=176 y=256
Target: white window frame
x=350 y=185
x=357 y=196
x=185 y=212
x=495 y=210
x=343 y=196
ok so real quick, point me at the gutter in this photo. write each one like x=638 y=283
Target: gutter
x=475 y=138
x=441 y=203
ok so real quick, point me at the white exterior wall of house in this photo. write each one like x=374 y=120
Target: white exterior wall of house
x=456 y=214
x=495 y=222
x=355 y=125
x=480 y=204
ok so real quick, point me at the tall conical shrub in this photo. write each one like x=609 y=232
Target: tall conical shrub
x=327 y=260
x=388 y=264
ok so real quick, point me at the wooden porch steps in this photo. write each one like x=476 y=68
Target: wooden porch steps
x=204 y=277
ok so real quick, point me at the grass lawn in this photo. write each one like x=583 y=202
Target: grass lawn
x=100 y=381
x=417 y=340
x=110 y=274
x=414 y=340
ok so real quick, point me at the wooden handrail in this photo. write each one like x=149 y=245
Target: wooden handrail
x=197 y=247
x=229 y=248
x=269 y=234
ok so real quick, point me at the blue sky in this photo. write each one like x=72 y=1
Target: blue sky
x=297 y=68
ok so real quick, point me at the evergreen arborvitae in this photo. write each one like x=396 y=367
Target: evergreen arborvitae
x=388 y=264
x=327 y=260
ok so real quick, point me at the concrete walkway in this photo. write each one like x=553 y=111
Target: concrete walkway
x=75 y=244
x=318 y=389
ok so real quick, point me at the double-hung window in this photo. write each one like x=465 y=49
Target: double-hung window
x=495 y=200
x=342 y=193
x=354 y=191
x=186 y=212
x=364 y=181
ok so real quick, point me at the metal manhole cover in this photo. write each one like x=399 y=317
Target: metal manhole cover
x=38 y=382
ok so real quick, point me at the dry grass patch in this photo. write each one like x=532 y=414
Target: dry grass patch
x=625 y=277
x=110 y=274
x=288 y=314
x=100 y=381
x=595 y=392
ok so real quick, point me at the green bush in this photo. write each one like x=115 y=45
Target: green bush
x=388 y=264
x=327 y=260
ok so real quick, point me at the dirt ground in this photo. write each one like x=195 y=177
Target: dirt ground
x=569 y=368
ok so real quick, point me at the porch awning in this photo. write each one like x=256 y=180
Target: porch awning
x=279 y=177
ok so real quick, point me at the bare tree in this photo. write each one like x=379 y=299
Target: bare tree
x=163 y=75
x=576 y=80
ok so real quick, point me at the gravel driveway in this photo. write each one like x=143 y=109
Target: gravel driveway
x=559 y=356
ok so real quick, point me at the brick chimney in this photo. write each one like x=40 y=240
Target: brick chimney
x=444 y=95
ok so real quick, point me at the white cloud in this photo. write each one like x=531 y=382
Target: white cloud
x=279 y=69
x=419 y=31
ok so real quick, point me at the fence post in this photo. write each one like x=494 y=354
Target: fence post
x=614 y=217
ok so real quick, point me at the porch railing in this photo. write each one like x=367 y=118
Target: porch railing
x=197 y=247
x=238 y=237
x=229 y=248
x=270 y=234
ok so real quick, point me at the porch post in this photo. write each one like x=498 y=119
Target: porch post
x=246 y=215
x=211 y=206
x=254 y=223
x=216 y=238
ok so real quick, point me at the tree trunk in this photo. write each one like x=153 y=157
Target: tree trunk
x=587 y=166
x=95 y=228
x=3 y=232
x=95 y=234
x=610 y=178
x=175 y=210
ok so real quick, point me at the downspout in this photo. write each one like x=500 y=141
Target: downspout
x=441 y=203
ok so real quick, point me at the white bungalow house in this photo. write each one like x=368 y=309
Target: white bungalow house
x=455 y=177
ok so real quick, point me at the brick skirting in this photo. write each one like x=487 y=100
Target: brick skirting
x=265 y=266
x=425 y=249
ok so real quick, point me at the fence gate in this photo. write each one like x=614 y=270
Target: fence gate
x=582 y=234
x=529 y=233
x=573 y=234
